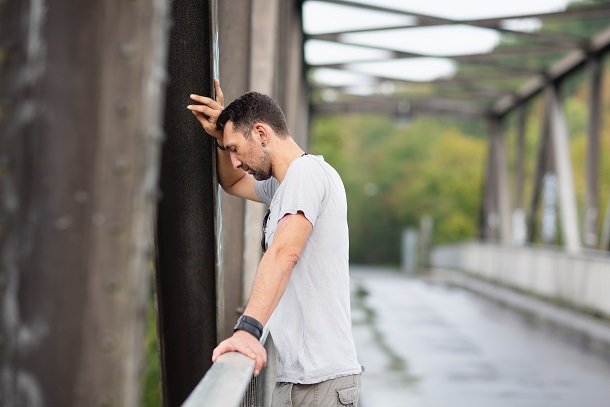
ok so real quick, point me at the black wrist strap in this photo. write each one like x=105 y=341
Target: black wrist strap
x=250 y=325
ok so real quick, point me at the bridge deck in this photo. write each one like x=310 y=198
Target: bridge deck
x=424 y=343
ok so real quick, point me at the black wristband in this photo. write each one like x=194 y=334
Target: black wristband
x=223 y=148
x=250 y=325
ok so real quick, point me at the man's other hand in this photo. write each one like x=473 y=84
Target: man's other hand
x=246 y=344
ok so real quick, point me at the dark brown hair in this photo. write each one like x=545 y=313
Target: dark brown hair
x=250 y=108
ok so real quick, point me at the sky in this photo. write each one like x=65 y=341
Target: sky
x=432 y=42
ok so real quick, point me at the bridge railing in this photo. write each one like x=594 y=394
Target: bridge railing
x=230 y=382
x=580 y=280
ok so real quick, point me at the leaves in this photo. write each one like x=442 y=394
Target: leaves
x=394 y=175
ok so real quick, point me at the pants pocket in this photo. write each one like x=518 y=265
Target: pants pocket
x=348 y=395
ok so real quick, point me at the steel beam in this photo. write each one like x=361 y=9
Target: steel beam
x=401 y=108
x=264 y=25
x=186 y=244
x=290 y=86
x=234 y=41
x=427 y=20
x=489 y=212
x=501 y=189
x=519 y=225
x=80 y=134
x=543 y=166
x=555 y=73
x=563 y=166
x=591 y=210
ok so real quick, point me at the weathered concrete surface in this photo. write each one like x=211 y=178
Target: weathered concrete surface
x=424 y=343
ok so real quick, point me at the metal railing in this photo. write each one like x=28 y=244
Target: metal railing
x=230 y=383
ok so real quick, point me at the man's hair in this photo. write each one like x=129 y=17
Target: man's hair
x=250 y=108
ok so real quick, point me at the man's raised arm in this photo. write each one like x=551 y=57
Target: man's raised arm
x=233 y=180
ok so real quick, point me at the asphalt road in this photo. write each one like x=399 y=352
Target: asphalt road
x=424 y=343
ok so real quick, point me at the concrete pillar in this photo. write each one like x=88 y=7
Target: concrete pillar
x=563 y=166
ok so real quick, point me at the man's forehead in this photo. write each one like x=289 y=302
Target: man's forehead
x=230 y=134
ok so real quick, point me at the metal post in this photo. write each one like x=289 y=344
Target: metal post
x=563 y=165
x=543 y=162
x=234 y=38
x=489 y=216
x=291 y=85
x=501 y=180
x=263 y=61
x=186 y=265
x=591 y=212
x=519 y=225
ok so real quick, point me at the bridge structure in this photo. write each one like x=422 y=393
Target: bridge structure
x=109 y=188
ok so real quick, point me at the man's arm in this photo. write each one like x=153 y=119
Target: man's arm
x=271 y=279
x=233 y=180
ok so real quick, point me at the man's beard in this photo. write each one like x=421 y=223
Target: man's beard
x=264 y=170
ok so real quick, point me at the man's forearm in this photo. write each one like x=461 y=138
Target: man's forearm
x=227 y=174
x=271 y=280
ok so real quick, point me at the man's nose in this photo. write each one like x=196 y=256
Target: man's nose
x=234 y=160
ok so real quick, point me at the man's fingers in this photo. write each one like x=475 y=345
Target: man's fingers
x=261 y=361
x=207 y=101
x=223 y=347
x=219 y=95
x=204 y=109
x=247 y=346
x=204 y=121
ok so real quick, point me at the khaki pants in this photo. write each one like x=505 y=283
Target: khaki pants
x=337 y=392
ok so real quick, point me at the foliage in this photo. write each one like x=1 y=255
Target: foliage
x=395 y=174
x=151 y=393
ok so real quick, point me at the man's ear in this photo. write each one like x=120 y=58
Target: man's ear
x=263 y=132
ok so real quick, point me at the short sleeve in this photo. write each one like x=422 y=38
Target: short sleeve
x=266 y=189
x=304 y=190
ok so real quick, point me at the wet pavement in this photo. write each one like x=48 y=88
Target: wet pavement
x=426 y=344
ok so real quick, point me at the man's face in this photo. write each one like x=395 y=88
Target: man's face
x=247 y=154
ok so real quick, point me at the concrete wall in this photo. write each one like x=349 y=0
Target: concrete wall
x=579 y=280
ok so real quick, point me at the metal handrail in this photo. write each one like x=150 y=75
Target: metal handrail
x=224 y=384
x=230 y=383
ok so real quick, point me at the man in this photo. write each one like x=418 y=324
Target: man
x=301 y=288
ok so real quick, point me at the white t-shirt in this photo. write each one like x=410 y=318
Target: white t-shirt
x=311 y=326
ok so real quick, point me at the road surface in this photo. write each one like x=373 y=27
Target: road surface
x=424 y=343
